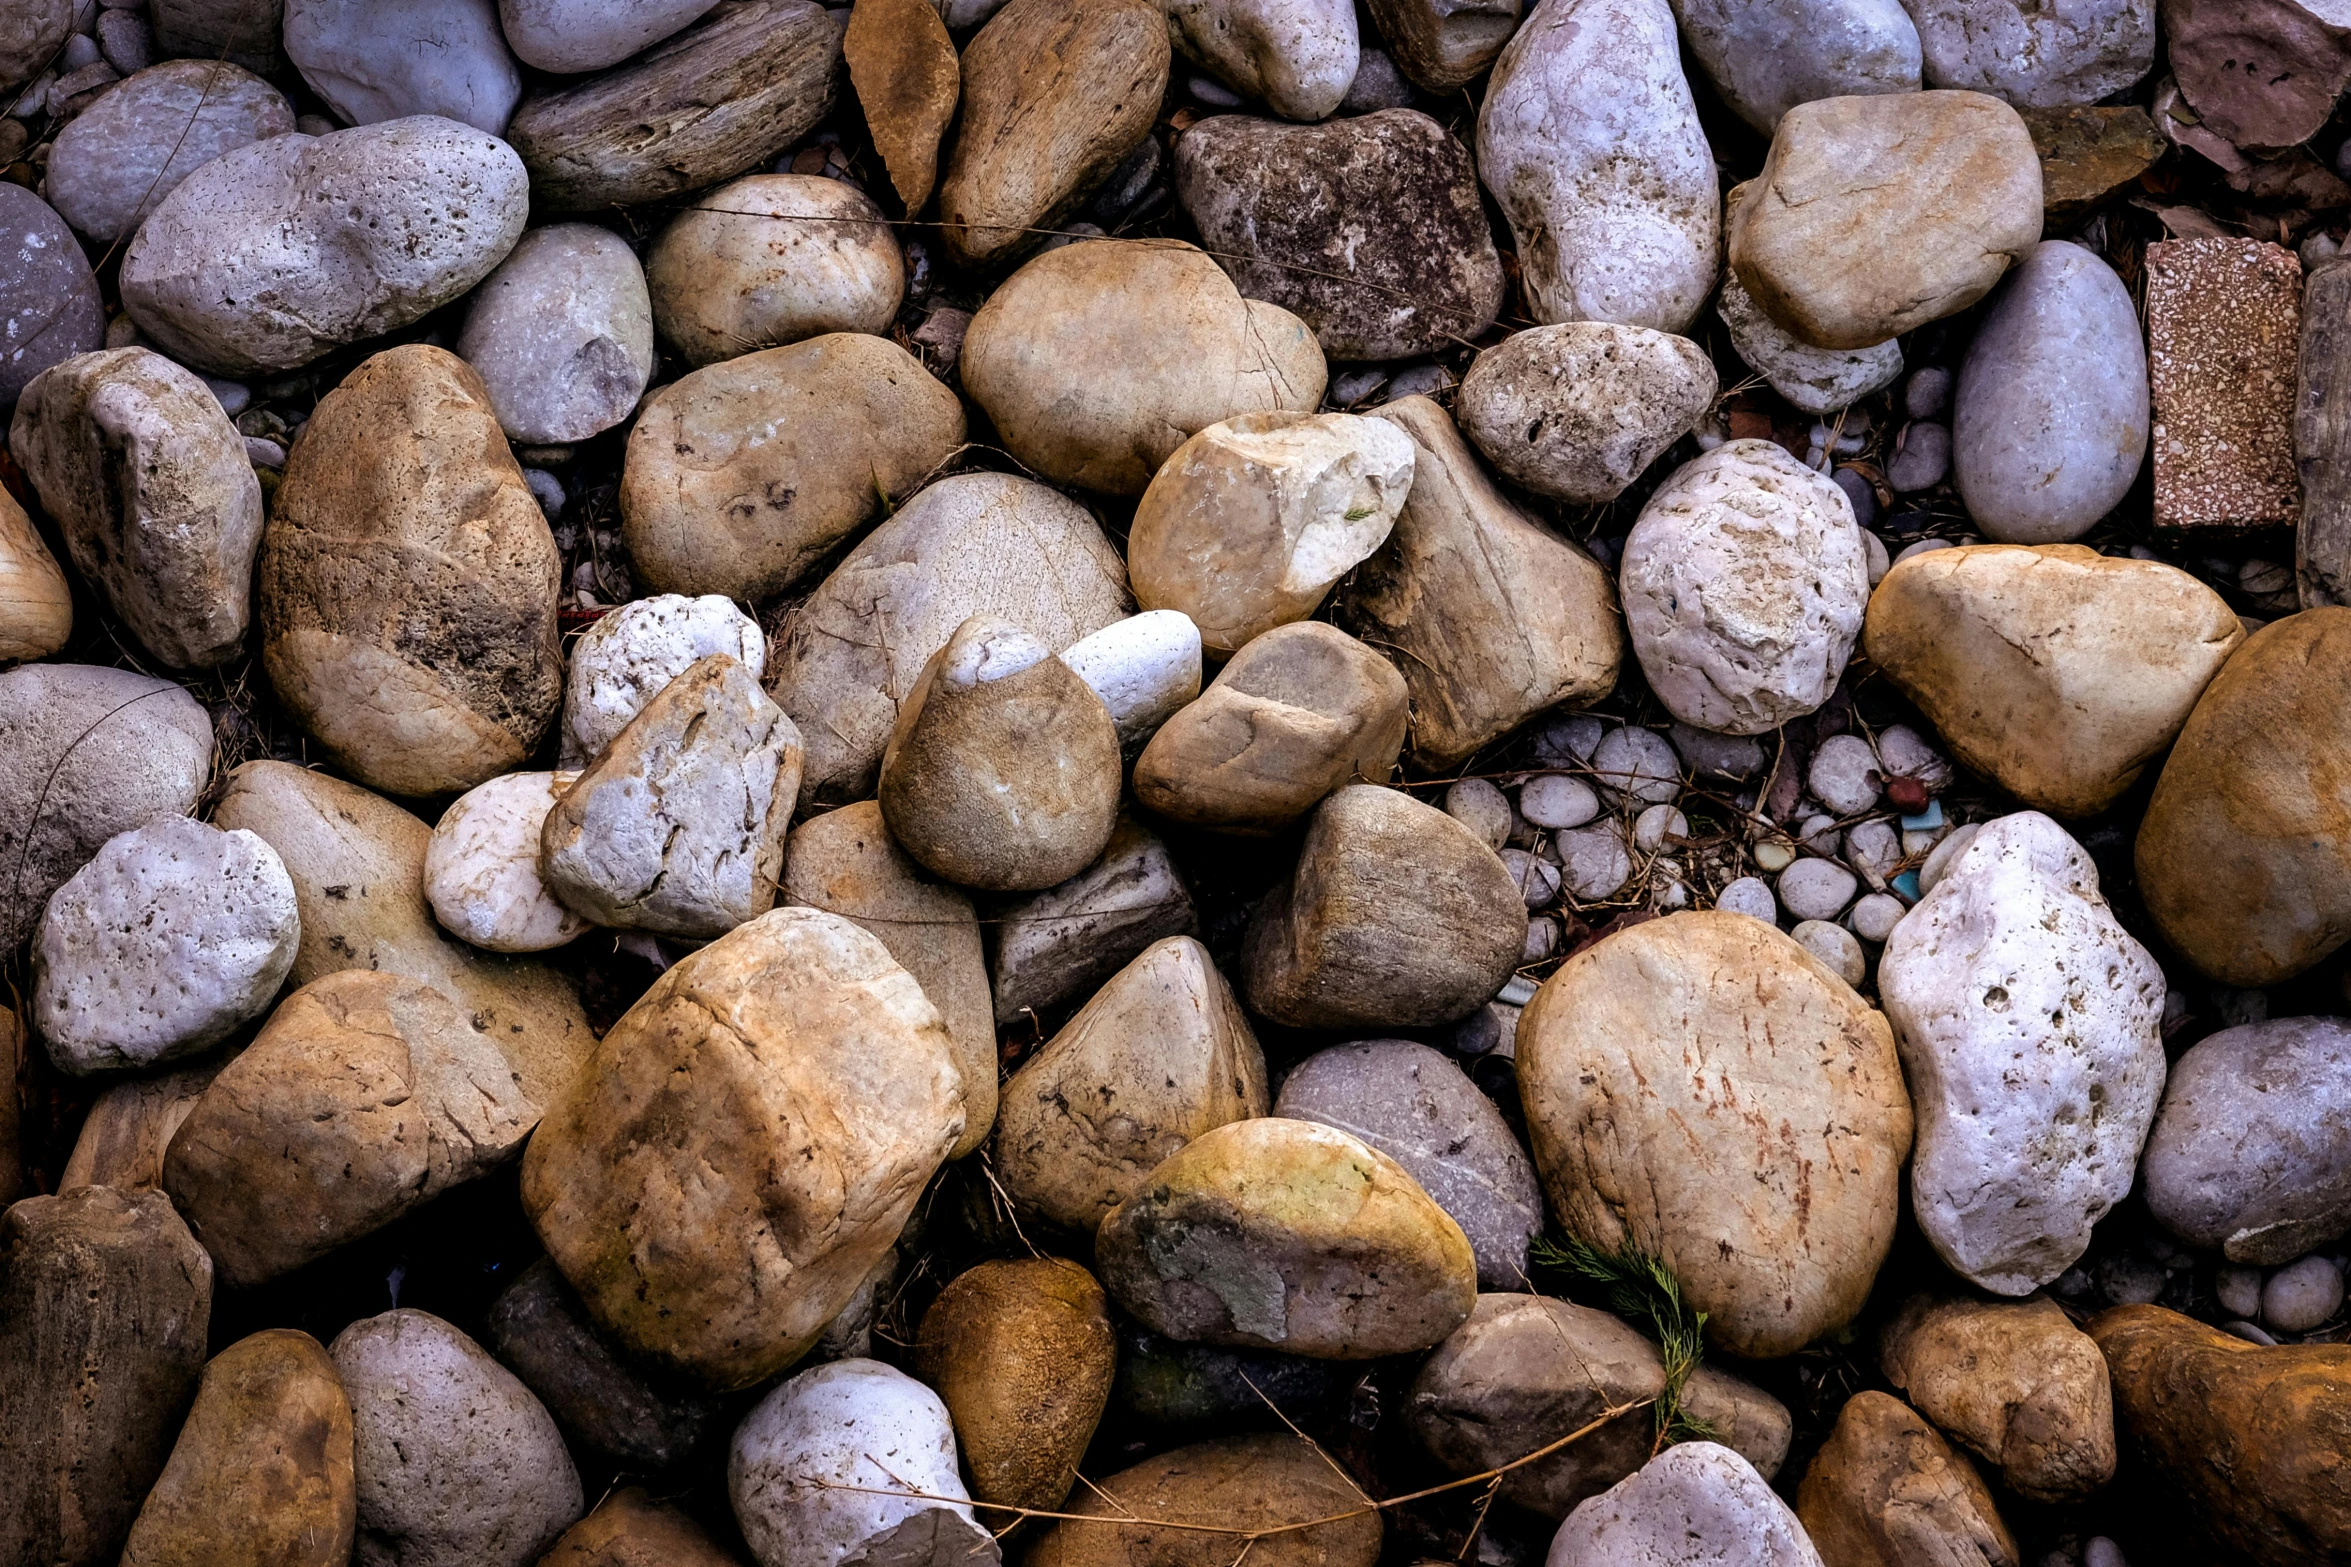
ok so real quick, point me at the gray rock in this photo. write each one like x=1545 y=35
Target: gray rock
x=2036 y=55
x=245 y=32
x=30 y=35
x=49 y=307
x=1636 y=767
x=126 y=40
x=1922 y=457
x=2052 y=413
x=1418 y=1108
x=2302 y=1296
x=374 y=62
x=1378 y=85
x=1557 y=801
x=1874 y=917
x=1833 y=944
x=116 y=160
x=1593 y=862
x=86 y=753
x=163 y=945
x=1816 y=380
x=1059 y=945
x=1767 y=56
x=1733 y=757
x=1485 y=810
x=1696 y=1502
x=570 y=36
x=1750 y=895
x=562 y=334
x=2237 y=1289
x=1813 y=889
x=1297 y=57
x=1928 y=393
x=1839 y=775
x=2251 y=1152
x=1577 y=411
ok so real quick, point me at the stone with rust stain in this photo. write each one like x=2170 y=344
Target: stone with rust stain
x=2016 y=1382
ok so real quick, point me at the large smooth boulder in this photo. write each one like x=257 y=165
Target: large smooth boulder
x=1766 y=56
x=562 y=334
x=770 y=259
x=1578 y=410
x=1695 y=1503
x=373 y=62
x=1702 y=1087
x=1267 y=1480
x=114 y=162
x=2016 y=1382
x=49 y=304
x=1886 y=1490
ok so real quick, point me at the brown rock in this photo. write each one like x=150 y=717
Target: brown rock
x=408 y=581
x=2322 y=438
x=1494 y=618
x=1260 y=1481
x=132 y=1123
x=903 y=65
x=262 y=1469
x=105 y=1299
x=1886 y=1491
x=1300 y=711
x=2087 y=156
x=36 y=607
x=1021 y=1354
x=2258 y=73
x=2017 y=1382
x=1056 y=93
x=2244 y=855
x=2223 y=323
x=630 y=1529
x=1703 y=1088
x=1440 y=45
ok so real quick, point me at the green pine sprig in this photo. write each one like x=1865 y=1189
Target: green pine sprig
x=1642 y=1288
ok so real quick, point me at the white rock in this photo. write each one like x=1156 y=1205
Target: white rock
x=481 y=866
x=1557 y=801
x=2302 y=1295
x=588 y=35
x=1767 y=56
x=1744 y=582
x=1697 y=1504
x=167 y=942
x=1143 y=668
x=1813 y=889
x=1874 y=917
x=1589 y=140
x=622 y=661
x=116 y=160
x=1481 y=807
x=1816 y=380
x=1750 y=895
x=374 y=62
x=1635 y=767
x=2029 y=1024
x=1833 y=945
x=772 y=259
x=1656 y=824
x=2034 y=54
x=1839 y=774
x=1593 y=862
x=809 y=1468
x=1297 y=57
x=562 y=334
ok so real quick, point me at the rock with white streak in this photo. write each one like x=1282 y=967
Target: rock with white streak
x=625 y=659
x=1767 y=56
x=383 y=62
x=570 y=36
x=1692 y=1505
x=2015 y=958
x=116 y=160
x=1816 y=380
x=1143 y=668
x=481 y=867
x=562 y=334
x=1298 y=57
x=2034 y=55
x=1579 y=410
x=1590 y=143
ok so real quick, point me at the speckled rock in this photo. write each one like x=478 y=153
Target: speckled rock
x=1764 y=59
x=371 y=63
x=2018 y=1383
x=1577 y=411
x=2036 y=56
x=1690 y=1503
x=116 y=160
x=49 y=304
x=562 y=334
x=771 y=259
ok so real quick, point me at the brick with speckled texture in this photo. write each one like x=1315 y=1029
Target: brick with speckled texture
x=2223 y=318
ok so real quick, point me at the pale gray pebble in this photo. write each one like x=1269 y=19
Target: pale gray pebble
x=2250 y=1334
x=546 y=489
x=1813 y=889
x=1818 y=834
x=263 y=452
x=1656 y=824
x=2302 y=1296
x=2102 y=1552
x=562 y=334
x=1750 y=895
x=124 y=154
x=1922 y=547
x=234 y=397
x=1902 y=753
x=1537 y=880
x=1479 y=805
x=2126 y=1280
x=1635 y=767
x=1377 y=85
x=1873 y=848
x=1569 y=741
x=1879 y=561
x=1594 y=862
x=1834 y=945
x=1840 y=775
x=1711 y=755
x=1923 y=458
x=1928 y=393
x=1557 y=801
x=372 y=62
x=1418 y=381
x=1208 y=90
x=1542 y=940
x=1874 y=917
x=2238 y=1290
x=81 y=52
x=126 y=41
x=1356 y=386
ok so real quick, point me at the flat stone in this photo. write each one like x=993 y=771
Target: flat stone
x=1057 y=945
x=2259 y=74
x=2223 y=328
x=2322 y=438
x=562 y=334
x=2033 y=56
x=114 y=162
x=2088 y=156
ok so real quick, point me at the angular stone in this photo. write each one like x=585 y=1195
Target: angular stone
x=771 y=259
x=1886 y=1490
x=562 y=334
x=1057 y=945
x=2019 y=1384
x=1579 y=410
x=2088 y=155
x=2223 y=326
x=908 y=78
x=114 y=162
x=1264 y=1480
x=49 y=304
x=1764 y=59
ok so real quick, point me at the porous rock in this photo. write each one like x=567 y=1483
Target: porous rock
x=1578 y=410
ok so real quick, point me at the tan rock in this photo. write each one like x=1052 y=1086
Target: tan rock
x=630 y=1529
x=1396 y=916
x=1877 y=214
x=2244 y=855
x=2016 y=1382
x=742 y=476
x=1289 y=1235
x=1702 y=1087
x=907 y=77
x=1580 y=409
x=745 y=1144
x=1056 y=93
x=128 y=1127
x=1264 y=1480
x=1097 y=360
x=1493 y=618
x=1441 y=45
x=408 y=581
x=363 y=1096
x=1162 y=1055
x=1886 y=1491
x=771 y=259
x=262 y=1469
x=975 y=544
x=1300 y=711
x=2057 y=672
x=358 y=867
x=36 y=607
x=1061 y=944
x=1021 y=1353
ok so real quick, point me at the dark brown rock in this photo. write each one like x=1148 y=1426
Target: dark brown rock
x=2087 y=156
x=12 y=1062
x=903 y=65
x=630 y=1529
x=1886 y=1491
x=2322 y=438
x=1249 y=1482
x=2259 y=73
x=1440 y=45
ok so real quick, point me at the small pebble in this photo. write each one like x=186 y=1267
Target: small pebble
x=1816 y=889
x=1481 y=807
x=1569 y=741
x=1924 y=457
x=2250 y=1334
x=1750 y=895
x=2130 y=1281
x=234 y=397
x=1928 y=393
x=1773 y=855
x=1841 y=776
x=80 y=50
x=546 y=489
x=1355 y=386
x=1835 y=946
x=1210 y=91
x=2238 y=1290
x=1874 y=917
x=1419 y=381
x=1542 y=939
x=1945 y=852
x=1593 y=862
x=1656 y=824
x=2102 y=1552
x=1921 y=548
x=126 y=42
x=1556 y=801
x=2301 y=1296
x=1716 y=756
x=263 y=452
x=1635 y=767
x=1879 y=561
x=122 y=332
x=1873 y=848
x=1537 y=880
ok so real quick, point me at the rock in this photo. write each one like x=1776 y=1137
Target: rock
x=770 y=260
x=262 y=1470
x=1280 y=1234
x=1186 y=1391
x=1744 y=585
x=1887 y=1489
x=1921 y=459
x=1836 y=241
x=1057 y=945
x=1055 y=95
x=908 y=79
x=249 y=265
x=129 y=1126
x=1589 y=140
x=36 y=606
x=1579 y=410
x=2322 y=441
x=245 y=32
x=371 y=63
x=1692 y=1503
x=2058 y=672
x=2258 y=74
x=33 y=35
x=793 y=1027
x=743 y=476
x=1368 y=229
x=570 y=36
x=630 y=1529
x=1815 y=380
x=1659 y=1036
x=974 y=544
x=2302 y=1296
x=1188 y=352
x=49 y=306
x=722 y=97
x=1442 y=45
x=2015 y=951
x=2034 y=57
x=1264 y=1480
x=150 y=485
x=2239 y=860
x=1766 y=59
x=458 y=1466
x=562 y=334
x=408 y=581
x=1526 y=1370
x=812 y=1468
x=1143 y=668
x=1296 y=56
x=627 y=657
x=114 y=162
x=2223 y=320
x=481 y=867
x=87 y=753
x=2247 y=1156
x=635 y=1417
x=1300 y=711
x=1816 y=890
x=166 y=943
x=2088 y=155
x=1021 y=1353
x=2018 y=1383
x=1414 y=1105
x=1497 y=618
x=1396 y=916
